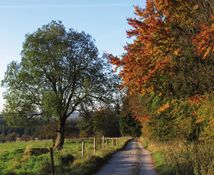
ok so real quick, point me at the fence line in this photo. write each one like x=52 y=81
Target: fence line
x=106 y=142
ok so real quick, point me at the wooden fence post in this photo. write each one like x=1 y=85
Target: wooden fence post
x=94 y=146
x=116 y=141
x=107 y=144
x=103 y=141
x=52 y=161
x=83 y=148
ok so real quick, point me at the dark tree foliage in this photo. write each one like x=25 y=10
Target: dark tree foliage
x=129 y=126
x=106 y=123
x=85 y=124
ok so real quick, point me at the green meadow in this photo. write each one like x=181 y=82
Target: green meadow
x=16 y=157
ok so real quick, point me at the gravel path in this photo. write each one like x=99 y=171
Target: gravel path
x=133 y=160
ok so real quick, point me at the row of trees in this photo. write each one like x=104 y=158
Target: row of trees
x=169 y=69
x=109 y=122
x=105 y=122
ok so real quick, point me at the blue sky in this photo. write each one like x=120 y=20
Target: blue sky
x=105 y=20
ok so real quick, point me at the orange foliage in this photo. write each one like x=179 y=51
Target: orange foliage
x=145 y=118
x=142 y=59
x=164 y=107
x=200 y=120
x=196 y=100
x=162 y=32
x=204 y=41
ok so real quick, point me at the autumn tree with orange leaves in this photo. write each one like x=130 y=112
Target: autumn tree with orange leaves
x=171 y=57
x=165 y=33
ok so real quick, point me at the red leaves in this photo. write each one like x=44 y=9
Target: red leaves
x=196 y=99
x=204 y=41
x=163 y=31
x=115 y=60
x=142 y=59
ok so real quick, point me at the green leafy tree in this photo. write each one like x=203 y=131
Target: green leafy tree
x=59 y=71
x=106 y=122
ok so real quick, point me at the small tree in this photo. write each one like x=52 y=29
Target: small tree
x=59 y=71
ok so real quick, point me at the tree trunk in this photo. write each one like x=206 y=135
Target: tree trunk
x=60 y=135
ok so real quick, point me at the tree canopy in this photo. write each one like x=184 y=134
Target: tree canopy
x=168 y=69
x=59 y=71
x=170 y=37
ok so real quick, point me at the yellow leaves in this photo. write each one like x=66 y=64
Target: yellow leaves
x=177 y=52
x=211 y=122
x=207 y=52
x=200 y=120
x=143 y=92
x=163 y=108
x=147 y=90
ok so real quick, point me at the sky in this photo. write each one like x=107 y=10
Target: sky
x=104 y=20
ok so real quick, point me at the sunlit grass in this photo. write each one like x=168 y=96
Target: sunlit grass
x=14 y=160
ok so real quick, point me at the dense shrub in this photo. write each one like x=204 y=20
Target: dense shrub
x=66 y=159
x=129 y=126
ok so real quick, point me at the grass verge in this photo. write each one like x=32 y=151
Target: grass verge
x=158 y=152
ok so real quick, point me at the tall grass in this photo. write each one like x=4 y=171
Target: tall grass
x=182 y=158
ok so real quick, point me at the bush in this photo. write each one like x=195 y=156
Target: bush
x=36 y=151
x=67 y=159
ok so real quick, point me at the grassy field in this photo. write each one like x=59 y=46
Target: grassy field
x=15 y=157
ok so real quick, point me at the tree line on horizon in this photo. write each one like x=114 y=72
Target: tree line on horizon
x=104 y=122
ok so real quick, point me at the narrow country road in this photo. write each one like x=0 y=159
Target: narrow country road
x=133 y=160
